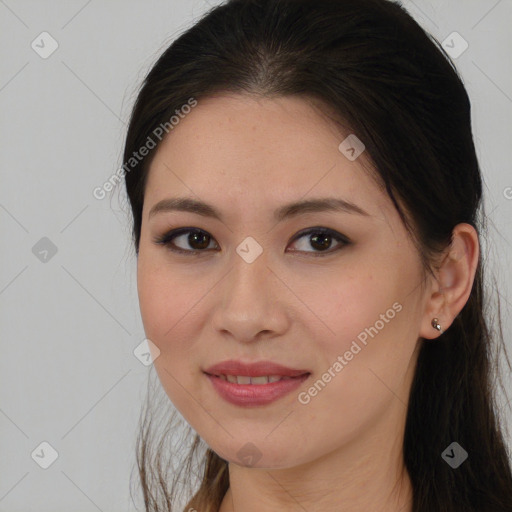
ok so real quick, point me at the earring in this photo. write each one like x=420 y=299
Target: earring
x=437 y=325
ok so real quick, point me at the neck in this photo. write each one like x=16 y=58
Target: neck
x=367 y=473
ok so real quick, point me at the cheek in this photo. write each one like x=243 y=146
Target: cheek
x=361 y=332
x=156 y=304
x=168 y=304
x=166 y=299
x=370 y=299
x=347 y=304
x=370 y=355
x=357 y=366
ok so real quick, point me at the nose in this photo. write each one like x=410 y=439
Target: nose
x=252 y=302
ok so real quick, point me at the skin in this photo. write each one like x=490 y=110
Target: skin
x=342 y=451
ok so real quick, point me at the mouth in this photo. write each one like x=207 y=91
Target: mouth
x=254 y=391
x=254 y=384
x=257 y=381
x=253 y=372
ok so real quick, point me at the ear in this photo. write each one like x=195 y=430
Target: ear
x=454 y=279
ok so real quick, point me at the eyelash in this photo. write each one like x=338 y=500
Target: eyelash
x=167 y=238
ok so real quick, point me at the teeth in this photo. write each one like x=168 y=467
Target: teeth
x=241 y=379
x=258 y=380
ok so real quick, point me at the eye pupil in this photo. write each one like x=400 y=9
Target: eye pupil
x=322 y=236
x=194 y=235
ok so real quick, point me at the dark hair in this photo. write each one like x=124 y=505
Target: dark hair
x=378 y=73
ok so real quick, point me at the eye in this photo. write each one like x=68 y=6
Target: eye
x=195 y=237
x=322 y=238
x=319 y=238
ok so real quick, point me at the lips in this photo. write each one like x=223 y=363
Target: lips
x=255 y=390
x=235 y=368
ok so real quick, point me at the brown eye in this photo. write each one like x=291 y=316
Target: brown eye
x=321 y=239
x=194 y=241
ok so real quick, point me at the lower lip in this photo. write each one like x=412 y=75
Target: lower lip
x=255 y=394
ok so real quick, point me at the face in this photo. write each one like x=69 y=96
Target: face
x=333 y=292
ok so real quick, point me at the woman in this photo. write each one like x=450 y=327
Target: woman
x=306 y=205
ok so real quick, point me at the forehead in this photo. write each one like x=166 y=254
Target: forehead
x=241 y=150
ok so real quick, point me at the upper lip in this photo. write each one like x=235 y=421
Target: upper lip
x=257 y=369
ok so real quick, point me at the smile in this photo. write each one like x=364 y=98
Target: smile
x=265 y=379
x=246 y=391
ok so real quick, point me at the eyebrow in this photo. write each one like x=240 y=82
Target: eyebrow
x=327 y=204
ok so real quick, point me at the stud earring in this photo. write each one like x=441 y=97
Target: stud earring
x=436 y=325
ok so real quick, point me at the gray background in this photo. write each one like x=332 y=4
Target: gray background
x=70 y=324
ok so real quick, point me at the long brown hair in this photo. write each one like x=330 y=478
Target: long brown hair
x=379 y=73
